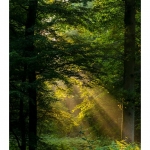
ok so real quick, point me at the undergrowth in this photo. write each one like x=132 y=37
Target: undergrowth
x=67 y=143
x=47 y=142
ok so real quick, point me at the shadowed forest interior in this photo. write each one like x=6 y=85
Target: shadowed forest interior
x=75 y=75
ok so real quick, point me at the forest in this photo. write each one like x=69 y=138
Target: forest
x=74 y=74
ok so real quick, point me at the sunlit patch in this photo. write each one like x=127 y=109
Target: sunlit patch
x=93 y=109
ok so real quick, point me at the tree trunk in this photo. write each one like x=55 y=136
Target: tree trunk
x=22 y=117
x=32 y=113
x=129 y=61
x=22 y=126
x=29 y=34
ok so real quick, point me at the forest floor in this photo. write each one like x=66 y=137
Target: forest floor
x=78 y=143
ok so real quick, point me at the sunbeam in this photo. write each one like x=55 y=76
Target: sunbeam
x=96 y=111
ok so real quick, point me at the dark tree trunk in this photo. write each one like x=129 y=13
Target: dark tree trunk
x=32 y=113
x=29 y=34
x=22 y=126
x=129 y=61
x=22 y=117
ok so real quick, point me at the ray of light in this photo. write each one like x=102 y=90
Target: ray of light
x=105 y=112
x=107 y=115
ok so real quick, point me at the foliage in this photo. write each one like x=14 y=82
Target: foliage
x=80 y=143
x=71 y=143
x=49 y=142
x=119 y=145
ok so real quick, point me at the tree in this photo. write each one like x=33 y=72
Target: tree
x=31 y=75
x=129 y=63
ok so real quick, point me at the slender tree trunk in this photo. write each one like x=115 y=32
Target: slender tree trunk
x=22 y=117
x=129 y=61
x=32 y=113
x=29 y=34
x=22 y=126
